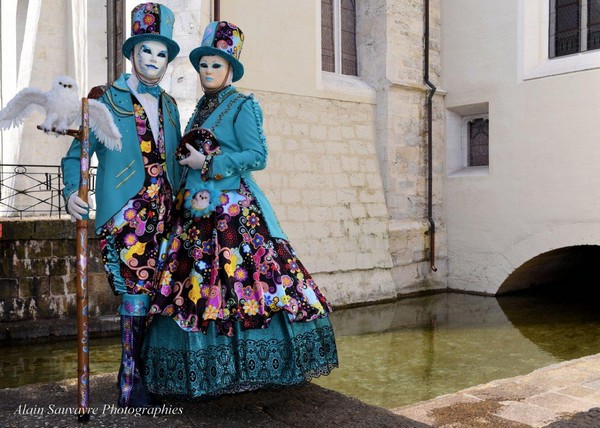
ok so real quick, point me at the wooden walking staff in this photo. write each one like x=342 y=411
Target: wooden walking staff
x=108 y=134
x=83 y=349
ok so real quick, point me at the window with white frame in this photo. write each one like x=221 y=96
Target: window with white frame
x=338 y=36
x=574 y=26
x=538 y=36
x=468 y=140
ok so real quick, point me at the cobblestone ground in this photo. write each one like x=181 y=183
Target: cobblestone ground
x=49 y=405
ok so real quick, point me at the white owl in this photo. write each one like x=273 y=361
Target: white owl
x=62 y=107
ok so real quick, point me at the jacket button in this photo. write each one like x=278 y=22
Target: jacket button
x=218 y=177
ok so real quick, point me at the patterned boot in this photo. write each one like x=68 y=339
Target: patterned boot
x=132 y=392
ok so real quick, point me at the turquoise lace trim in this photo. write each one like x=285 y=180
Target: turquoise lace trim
x=192 y=365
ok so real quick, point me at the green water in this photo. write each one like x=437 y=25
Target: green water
x=398 y=353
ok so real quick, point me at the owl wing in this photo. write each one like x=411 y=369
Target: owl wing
x=102 y=124
x=22 y=105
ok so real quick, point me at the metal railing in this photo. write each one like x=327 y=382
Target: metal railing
x=34 y=190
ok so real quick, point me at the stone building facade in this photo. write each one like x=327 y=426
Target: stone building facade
x=347 y=168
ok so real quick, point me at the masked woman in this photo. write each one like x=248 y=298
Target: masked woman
x=235 y=309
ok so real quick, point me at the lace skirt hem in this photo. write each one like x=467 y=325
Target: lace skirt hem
x=195 y=365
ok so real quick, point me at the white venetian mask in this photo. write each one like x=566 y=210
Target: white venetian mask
x=214 y=72
x=151 y=59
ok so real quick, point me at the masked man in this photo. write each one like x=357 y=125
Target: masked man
x=134 y=187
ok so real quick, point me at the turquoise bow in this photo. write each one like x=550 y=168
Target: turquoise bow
x=142 y=88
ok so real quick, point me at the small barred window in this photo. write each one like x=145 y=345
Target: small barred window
x=478 y=142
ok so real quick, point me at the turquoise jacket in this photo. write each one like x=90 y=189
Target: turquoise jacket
x=237 y=126
x=121 y=173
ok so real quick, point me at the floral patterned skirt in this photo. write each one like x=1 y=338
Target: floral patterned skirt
x=226 y=268
x=131 y=239
x=235 y=310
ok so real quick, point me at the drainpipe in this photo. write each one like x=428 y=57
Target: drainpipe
x=430 y=92
x=217 y=10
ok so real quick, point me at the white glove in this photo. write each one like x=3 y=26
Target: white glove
x=76 y=206
x=195 y=159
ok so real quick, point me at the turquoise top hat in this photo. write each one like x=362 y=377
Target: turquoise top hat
x=225 y=40
x=151 y=21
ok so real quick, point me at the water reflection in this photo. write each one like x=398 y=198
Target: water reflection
x=416 y=349
x=565 y=326
x=25 y=364
x=397 y=353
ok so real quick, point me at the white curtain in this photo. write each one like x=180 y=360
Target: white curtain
x=15 y=76
x=80 y=50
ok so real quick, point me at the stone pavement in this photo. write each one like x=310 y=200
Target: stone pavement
x=49 y=405
x=564 y=395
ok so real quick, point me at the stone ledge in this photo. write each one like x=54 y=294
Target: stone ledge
x=34 y=228
x=545 y=396
x=34 y=331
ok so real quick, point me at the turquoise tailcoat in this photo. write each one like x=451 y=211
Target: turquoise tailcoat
x=121 y=173
x=237 y=125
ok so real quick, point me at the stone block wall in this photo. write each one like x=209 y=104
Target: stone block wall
x=323 y=181
x=393 y=66
x=38 y=272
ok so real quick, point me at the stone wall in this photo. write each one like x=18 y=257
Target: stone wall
x=323 y=181
x=38 y=272
x=393 y=65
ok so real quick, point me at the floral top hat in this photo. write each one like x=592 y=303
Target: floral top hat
x=151 y=21
x=225 y=40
